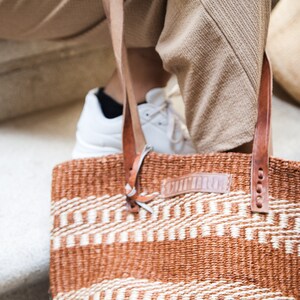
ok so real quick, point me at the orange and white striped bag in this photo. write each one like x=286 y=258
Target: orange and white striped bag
x=144 y=225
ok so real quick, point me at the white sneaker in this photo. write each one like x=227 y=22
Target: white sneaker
x=163 y=128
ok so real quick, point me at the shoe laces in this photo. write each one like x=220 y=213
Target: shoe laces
x=174 y=121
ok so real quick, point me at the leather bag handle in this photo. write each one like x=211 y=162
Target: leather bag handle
x=133 y=137
x=261 y=142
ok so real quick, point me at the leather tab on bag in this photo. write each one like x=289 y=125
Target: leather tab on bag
x=260 y=152
x=196 y=182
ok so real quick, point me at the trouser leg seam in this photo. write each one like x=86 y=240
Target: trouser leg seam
x=229 y=44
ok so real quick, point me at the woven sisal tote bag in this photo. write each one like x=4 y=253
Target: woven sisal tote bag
x=147 y=226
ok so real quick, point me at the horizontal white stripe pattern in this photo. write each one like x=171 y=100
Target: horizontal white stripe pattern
x=65 y=205
x=131 y=288
x=105 y=220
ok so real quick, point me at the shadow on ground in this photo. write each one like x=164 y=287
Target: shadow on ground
x=36 y=291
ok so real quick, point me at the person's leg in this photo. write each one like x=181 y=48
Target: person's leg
x=215 y=48
x=147 y=73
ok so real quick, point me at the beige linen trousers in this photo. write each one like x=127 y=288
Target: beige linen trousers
x=214 y=47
